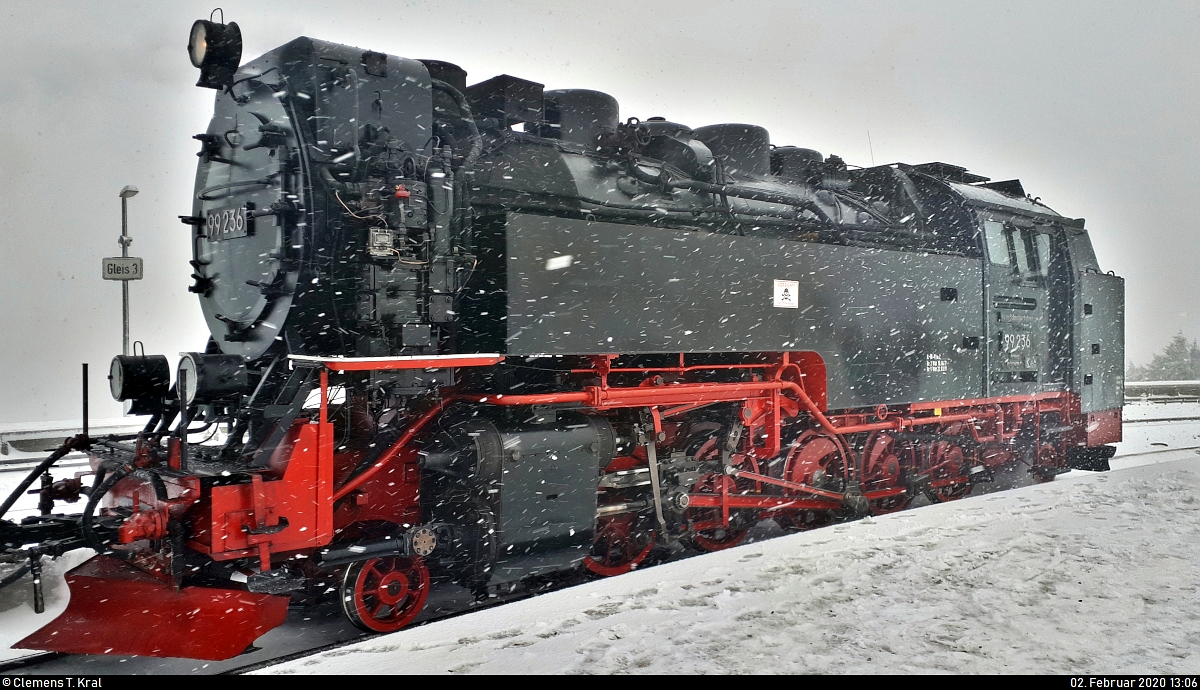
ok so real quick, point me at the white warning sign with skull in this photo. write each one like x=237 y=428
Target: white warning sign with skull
x=786 y=296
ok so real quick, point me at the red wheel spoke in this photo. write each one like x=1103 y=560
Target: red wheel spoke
x=371 y=605
x=945 y=466
x=618 y=547
x=886 y=464
x=710 y=529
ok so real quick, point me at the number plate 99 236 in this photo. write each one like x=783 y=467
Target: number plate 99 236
x=227 y=223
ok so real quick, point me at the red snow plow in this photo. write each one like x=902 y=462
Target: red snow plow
x=117 y=608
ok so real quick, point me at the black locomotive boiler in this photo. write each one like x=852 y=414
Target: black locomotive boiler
x=488 y=333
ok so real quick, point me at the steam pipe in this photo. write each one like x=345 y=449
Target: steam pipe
x=390 y=454
x=752 y=194
x=733 y=190
x=464 y=110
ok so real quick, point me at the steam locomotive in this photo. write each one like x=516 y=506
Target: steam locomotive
x=485 y=334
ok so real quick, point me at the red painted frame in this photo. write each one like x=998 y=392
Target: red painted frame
x=245 y=520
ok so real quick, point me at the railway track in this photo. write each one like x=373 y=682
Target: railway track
x=31 y=661
x=1161 y=419
x=39 y=662
x=26 y=464
x=248 y=668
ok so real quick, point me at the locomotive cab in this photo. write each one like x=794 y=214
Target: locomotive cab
x=1054 y=320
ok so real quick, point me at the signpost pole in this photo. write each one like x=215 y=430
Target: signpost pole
x=125 y=241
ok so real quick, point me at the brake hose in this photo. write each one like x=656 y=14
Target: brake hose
x=85 y=521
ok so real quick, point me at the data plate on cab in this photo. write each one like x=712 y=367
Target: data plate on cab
x=227 y=223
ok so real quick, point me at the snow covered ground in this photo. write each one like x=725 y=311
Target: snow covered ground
x=1090 y=573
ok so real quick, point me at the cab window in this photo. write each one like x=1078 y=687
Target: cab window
x=997 y=242
x=1025 y=251
x=1042 y=242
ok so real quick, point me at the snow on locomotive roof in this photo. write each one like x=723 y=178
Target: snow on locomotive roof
x=991 y=197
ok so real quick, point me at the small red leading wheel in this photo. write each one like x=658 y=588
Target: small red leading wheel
x=384 y=594
x=710 y=532
x=618 y=548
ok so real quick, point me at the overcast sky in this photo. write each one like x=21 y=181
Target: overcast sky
x=1094 y=106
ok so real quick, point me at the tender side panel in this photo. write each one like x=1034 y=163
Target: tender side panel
x=891 y=326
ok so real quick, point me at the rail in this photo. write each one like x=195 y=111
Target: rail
x=43 y=437
x=1162 y=391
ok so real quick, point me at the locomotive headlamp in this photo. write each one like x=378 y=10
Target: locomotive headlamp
x=211 y=378
x=134 y=377
x=198 y=43
x=216 y=49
